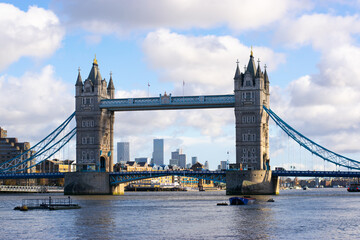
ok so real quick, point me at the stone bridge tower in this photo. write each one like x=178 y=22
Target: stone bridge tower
x=252 y=134
x=94 y=133
x=252 y=122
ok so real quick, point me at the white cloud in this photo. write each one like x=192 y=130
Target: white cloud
x=35 y=33
x=34 y=104
x=322 y=31
x=324 y=106
x=206 y=64
x=121 y=16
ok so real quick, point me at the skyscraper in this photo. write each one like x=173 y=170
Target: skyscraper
x=206 y=165
x=180 y=157
x=123 y=152
x=193 y=160
x=158 y=153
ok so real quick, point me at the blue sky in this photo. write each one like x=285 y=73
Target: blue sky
x=311 y=49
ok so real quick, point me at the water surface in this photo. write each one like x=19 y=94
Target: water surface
x=295 y=214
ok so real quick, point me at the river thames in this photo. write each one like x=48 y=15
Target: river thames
x=295 y=214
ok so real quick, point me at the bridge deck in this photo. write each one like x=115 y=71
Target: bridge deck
x=219 y=176
x=169 y=102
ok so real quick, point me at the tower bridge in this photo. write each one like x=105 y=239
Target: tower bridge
x=95 y=107
x=94 y=113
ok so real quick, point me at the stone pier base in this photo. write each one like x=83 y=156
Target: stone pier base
x=251 y=182
x=90 y=183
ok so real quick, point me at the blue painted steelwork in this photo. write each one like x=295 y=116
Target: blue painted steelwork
x=30 y=175
x=217 y=176
x=44 y=154
x=168 y=102
x=122 y=177
x=316 y=173
x=313 y=147
x=43 y=150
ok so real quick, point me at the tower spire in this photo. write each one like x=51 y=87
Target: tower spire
x=237 y=71
x=79 y=80
x=258 y=72
x=251 y=68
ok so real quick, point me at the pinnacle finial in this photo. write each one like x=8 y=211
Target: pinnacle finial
x=110 y=74
x=265 y=66
x=251 y=52
x=79 y=69
x=95 y=61
x=237 y=61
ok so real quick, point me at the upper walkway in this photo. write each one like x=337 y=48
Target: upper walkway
x=168 y=102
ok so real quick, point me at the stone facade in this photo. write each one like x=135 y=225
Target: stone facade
x=11 y=148
x=94 y=136
x=252 y=123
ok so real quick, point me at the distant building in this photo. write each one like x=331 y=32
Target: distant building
x=143 y=160
x=11 y=148
x=182 y=160
x=55 y=166
x=180 y=157
x=158 y=153
x=123 y=152
x=206 y=165
x=193 y=160
x=174 y=162
x=223 y=165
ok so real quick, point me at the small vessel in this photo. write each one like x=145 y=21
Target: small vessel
x=47 y=203
x=241 y=200
x=305 y=188
x=222 y=204
x=354 y=187
x=271 y=200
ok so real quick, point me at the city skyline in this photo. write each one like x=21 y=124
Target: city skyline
x=312 y=69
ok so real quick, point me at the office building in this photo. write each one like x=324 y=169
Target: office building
x=158 y=153
x=206 y=165
x=180 y=157
x=142 y=160
x=193 y=160
x=123 y=152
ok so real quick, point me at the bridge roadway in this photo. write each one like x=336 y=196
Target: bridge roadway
x=217 y=176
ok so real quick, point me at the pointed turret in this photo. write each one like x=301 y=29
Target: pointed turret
x=79 y=80
x=111 y=84
x=94 y=74
x=251 y=68
x=111 y=88
x=237 y=71
x=259 y=74
x=266 y=78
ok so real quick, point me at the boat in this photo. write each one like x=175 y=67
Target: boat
x=354 y=187
x=305 y=188
x=47 y=203
x=241 y=200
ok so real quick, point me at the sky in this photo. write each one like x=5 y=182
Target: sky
x=311 y=50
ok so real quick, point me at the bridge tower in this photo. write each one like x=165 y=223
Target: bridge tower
x=252 y=92
x=252 y=122
x=94 y=138
x=94 y=133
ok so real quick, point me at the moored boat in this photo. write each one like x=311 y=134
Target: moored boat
x=354 y=187
x=241 y=200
